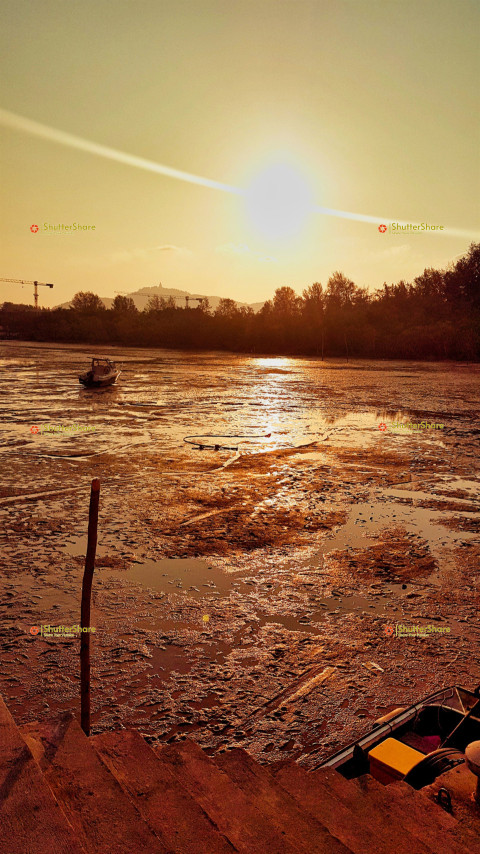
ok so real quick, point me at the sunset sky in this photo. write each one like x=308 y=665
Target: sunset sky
x=366 y=107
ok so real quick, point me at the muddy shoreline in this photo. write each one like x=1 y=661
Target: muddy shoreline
x=301 y=548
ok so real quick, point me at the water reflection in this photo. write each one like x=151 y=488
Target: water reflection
x=273 y=362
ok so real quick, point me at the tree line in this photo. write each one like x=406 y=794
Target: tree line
x=437 y=316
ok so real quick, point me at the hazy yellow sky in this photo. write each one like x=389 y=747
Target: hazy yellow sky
x=367 y=107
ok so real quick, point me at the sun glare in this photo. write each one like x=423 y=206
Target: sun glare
x=279 y=201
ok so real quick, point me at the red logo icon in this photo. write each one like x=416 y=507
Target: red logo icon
x=382 y=228
x=34 y=228
x=388 y=631
x=34 y=429
x=382 y=426
x=34 y=630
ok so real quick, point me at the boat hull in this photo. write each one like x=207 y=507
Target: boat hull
x=438 y=728
x=90 y=382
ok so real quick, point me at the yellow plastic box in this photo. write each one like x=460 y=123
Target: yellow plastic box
x=391 y=760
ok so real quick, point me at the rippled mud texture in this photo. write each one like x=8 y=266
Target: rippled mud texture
x=240 y=596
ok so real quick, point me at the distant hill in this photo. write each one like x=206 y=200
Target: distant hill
x=142 y=295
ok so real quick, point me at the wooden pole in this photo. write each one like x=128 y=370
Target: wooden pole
x=85 y=608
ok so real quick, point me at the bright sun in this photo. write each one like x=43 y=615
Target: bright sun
x=279 y=201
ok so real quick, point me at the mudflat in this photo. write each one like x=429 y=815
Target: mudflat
x=248 y=595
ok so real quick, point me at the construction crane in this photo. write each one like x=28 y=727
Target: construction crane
x=28 y=282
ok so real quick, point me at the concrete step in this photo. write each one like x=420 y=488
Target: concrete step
x=237 y=817
x=31 y=820
x=377 y=809
x=103 y=816
x=177 y=819
x=426 y=822
x=362 y=833
x=426 y=808
x=461 y=784
x=278 y=807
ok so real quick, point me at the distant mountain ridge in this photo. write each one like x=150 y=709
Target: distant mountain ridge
x=142 y=295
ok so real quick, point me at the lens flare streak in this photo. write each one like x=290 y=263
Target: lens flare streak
x=20 y=123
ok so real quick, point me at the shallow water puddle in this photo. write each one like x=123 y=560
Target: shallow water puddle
x=78 y=547
x=192 y=575
x=167 y=575
x=185 y=571
x=197 y=579
x=368 y=519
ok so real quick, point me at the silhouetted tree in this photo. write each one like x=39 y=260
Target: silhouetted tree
x=286 y=302
x=87 y=302
x=124 y=305
x=226 y=308
x=462 y=283
x=340 y=290
x=155 y=305
x=314 y=317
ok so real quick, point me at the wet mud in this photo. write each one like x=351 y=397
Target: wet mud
x=242 y=596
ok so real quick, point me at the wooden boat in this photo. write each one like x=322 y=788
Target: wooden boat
x=415 y=744
x=102 y=373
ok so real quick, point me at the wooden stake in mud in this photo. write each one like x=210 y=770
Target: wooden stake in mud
x=85 y=608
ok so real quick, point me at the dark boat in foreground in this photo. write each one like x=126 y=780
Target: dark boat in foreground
x=415 y=744
x=102 y=373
